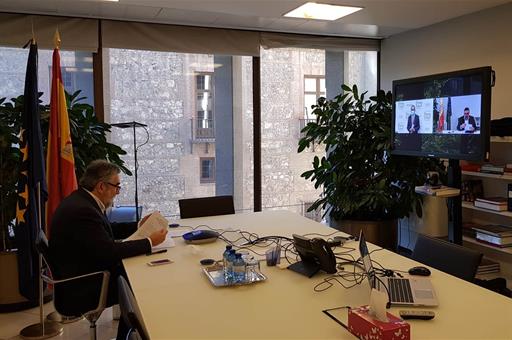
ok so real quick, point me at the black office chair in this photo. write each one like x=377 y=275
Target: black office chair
x=130 y=312
x=206 y=206
x=63 y=307
x=447 y=257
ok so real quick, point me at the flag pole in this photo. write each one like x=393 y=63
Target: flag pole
x=43 y=329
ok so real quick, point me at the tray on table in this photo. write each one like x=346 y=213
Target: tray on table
x=215 y=274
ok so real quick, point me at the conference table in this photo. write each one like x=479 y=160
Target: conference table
x=177 y=301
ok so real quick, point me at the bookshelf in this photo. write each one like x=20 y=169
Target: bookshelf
x=493 y=185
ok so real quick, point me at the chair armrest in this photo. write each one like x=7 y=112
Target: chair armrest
x=102 y=301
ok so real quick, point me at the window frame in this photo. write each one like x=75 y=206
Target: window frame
x=317 y=93
x=211 y=178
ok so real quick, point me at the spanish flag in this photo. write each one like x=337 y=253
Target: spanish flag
x=60 y=162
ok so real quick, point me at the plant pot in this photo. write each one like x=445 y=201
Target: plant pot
x=381 y=233
x=10 y=298
x=9 y=291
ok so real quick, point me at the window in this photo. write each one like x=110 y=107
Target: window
x=207 y=169
x=314 y=88
x=175 y=91
x=204 y=106
x=76 y=69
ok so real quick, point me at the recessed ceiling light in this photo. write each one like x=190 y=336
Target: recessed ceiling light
x=312 y=10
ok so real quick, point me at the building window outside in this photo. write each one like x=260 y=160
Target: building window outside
x=207 y=169
x=314 y=88
x=204 y=106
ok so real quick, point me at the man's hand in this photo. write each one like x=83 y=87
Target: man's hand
x=462 y=126
x=158 y=237
x=141 y=222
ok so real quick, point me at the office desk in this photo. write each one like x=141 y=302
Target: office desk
x=177 y=300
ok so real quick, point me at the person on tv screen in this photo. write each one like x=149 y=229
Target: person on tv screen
x=413 y=122
x=466 y=122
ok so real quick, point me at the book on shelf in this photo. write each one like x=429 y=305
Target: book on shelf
x=492 y=169
x=492 y=200
x=490 y=206
x=437 y=191
x=505 y=241
x=494 y=230
x=488 y=266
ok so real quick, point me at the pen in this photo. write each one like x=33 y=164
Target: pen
x=157 y=252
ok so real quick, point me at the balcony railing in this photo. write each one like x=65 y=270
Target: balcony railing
x=202 y=129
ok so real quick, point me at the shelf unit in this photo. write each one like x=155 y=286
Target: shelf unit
x=494 y=185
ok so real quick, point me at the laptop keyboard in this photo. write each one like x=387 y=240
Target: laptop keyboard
x=400 y=290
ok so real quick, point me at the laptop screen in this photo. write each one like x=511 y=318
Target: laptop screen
x=123 y=214
x=367 y=262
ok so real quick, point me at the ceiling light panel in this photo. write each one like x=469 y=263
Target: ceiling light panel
x=312 y=10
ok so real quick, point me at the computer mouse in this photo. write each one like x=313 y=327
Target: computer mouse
x=419 y=270
x=201 y=236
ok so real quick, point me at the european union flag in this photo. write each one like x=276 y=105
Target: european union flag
x=32 y=192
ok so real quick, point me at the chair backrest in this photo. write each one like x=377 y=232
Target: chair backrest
x=447 y=257
x=206 y=206
x=130 y=310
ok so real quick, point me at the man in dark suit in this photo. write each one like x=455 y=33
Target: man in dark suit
x=466 y=122
x=413 y=122
x=82 y=241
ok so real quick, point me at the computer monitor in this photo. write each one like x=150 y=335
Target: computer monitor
x=444 y=115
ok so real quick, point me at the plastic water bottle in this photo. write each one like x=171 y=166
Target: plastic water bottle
x=228 y=273
x=225 y=257
x=238 y=269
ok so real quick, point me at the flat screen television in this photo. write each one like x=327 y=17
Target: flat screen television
x=444 y=115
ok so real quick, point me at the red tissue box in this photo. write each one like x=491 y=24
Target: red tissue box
x=364 y=326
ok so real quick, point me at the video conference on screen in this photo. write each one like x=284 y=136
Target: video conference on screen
x=440 y=115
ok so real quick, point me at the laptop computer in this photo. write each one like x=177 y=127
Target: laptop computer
x=410 y=291
x=123 y=214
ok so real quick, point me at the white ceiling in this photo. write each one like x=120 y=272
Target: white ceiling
x=378 y=19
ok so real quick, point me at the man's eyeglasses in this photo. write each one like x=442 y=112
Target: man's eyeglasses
x=117 y=186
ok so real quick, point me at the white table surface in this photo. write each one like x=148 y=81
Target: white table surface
x=177 y=301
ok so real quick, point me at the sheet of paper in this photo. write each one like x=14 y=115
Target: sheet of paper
x=154 y=222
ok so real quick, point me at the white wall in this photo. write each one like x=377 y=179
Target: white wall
x=474 y=40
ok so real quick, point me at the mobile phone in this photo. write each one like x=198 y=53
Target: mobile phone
x=159 y=262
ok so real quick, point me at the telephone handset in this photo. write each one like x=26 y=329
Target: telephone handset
x=316 y=254
x=324 y=254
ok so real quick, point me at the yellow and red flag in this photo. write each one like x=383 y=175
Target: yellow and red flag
x=60 y=162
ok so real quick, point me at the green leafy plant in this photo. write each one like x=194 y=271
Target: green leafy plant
x=89 y=143
x=361 y=180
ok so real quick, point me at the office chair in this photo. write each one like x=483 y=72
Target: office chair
x=130 y=312
x=64 y=306
x=448 y=257
x=206 y=206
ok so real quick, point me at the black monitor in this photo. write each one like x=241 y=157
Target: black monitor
x=444 y=115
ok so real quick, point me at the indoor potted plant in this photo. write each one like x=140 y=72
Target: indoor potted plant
x=361 y=180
